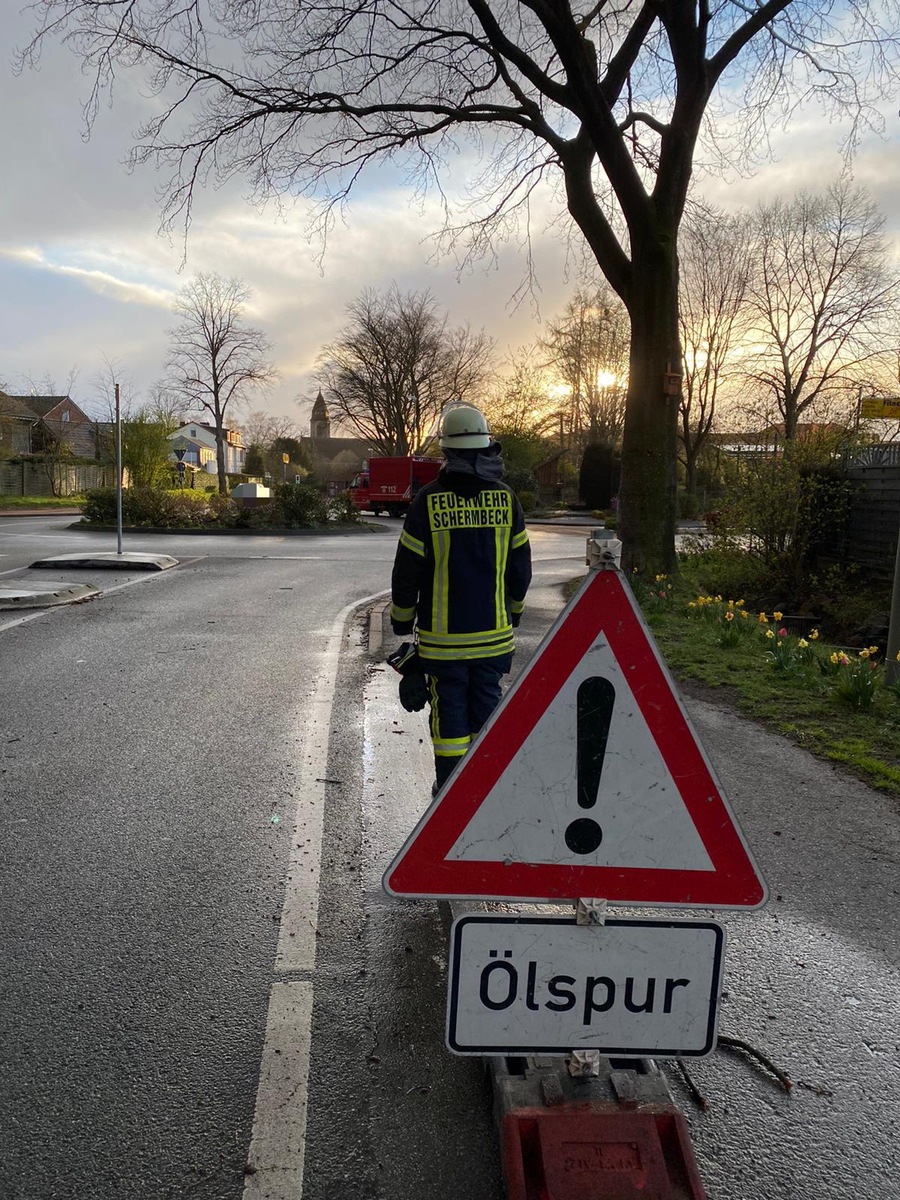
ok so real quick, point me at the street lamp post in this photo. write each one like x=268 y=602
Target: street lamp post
x=118 y=471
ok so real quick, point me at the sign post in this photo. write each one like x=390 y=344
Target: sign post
x=587 y=781
x=118 y=471
x=545 y=985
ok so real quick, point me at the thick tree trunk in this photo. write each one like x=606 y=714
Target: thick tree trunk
x=220 y=456
x=647 y=496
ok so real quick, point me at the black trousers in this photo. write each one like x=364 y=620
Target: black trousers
x=463 y=694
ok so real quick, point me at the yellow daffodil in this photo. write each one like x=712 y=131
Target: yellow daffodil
x=814 y=636
x=802 y=643
x=770 y=633
x=729 y=616
x=762 y=618
x=777 y=616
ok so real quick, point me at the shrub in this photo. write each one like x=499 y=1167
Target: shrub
x=342 y=510
x=298 y=506
x=99 y=506
x=148 y=506
x=521 y=481
x=528 y=500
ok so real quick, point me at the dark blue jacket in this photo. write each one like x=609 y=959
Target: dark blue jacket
x=462 y=568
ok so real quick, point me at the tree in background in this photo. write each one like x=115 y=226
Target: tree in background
x=715 y=263
x=254 y=460
x=396 y=364
x=822 y=299
x=609 y=100
x=146 y=445
x=216 y=362
x=263 y=428
x=298 y=462
x=587 y=348
x=269 y=437
x=521 y=411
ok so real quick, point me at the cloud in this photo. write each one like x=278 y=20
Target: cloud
x=126 y=291
x=84 y=273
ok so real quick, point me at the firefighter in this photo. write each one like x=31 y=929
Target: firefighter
x=461 y=571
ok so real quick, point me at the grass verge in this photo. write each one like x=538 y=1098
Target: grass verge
x=802 y=701
x=74 y=502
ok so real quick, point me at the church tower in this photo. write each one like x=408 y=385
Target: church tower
x=320 y=422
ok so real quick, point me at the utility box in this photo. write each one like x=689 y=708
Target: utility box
x=250 y=495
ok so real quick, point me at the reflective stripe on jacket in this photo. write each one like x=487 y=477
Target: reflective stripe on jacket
x=462 y=567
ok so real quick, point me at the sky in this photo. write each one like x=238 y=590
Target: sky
x=86 y=279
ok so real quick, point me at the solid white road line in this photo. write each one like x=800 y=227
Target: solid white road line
x=277 y=1146
x=279 y=1129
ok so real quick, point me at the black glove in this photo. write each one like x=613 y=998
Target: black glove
x=413 y=684
x=402 y=627
x=515 y=618
x=413 y=691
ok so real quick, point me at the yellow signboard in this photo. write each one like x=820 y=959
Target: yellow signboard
x=285 y=458
x=880 y=407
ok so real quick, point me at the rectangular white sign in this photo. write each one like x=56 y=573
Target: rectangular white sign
x=630 y=988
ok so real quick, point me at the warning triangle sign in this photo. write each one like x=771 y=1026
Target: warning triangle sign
x=588 y=780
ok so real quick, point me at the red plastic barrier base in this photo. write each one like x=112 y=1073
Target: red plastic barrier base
x=569 y=1153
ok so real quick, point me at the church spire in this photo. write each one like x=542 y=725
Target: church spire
x=320 y=422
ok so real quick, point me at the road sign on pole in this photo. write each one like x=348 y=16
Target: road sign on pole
x=588 y=780
x=633 y=987
x=879 y=407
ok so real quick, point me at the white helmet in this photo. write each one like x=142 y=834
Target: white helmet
x=464 y=427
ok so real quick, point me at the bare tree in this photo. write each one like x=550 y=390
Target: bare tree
x=823 y=298
x=521 y=401
x=714 y=254
x=608 y=98
x=215 y=361
x=588 y=348
x=396 y=363
x=262 y=428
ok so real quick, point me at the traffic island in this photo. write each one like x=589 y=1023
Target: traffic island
x=44 y=594
x=110 y=561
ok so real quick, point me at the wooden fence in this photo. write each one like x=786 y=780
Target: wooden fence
x=874 y=520
x=26 y=478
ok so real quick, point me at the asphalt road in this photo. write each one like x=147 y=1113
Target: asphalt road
x=176 y=866
x=195 y=938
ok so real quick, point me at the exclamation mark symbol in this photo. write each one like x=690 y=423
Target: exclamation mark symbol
x=594 y=713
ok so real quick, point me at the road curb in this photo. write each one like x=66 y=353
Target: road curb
x=44 y=595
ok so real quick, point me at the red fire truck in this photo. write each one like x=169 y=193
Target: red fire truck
x=389 y=484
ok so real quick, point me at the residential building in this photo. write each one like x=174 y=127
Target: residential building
x=17 y=423
x=194 y=443
x=59 y=424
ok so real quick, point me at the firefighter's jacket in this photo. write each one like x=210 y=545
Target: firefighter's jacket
x=462 y=568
